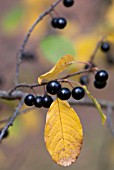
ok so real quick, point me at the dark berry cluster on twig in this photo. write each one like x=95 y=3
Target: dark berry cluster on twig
x=38 y=101
x=60 y=22
x=54 y=88
x=101 y=78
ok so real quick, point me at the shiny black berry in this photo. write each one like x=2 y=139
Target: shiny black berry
x=53 y=87
x=47 y=101
x=84 y=80
x=54 y=22
x=29 y=100
x=101 y=76
x=78 y=93
x=99 y=85
x=38 y=101
x=6 y=133
x=64 y=93
x=61 y=23
x=105 y=46
x=68 y=3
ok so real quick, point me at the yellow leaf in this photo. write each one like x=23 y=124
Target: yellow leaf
x=110 y=15
x=85 y=46
x=61 y=65
x=63 y=133
x=110 y=37
x=103 y=117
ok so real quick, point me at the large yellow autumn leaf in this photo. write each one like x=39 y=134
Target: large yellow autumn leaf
x=61 y=65
x=63 y=133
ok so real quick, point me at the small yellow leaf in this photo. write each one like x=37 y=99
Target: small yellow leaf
x=61 y=65
x=63 y=133
x=103 y=117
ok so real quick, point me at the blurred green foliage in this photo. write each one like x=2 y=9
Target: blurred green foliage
x=12 y=19
x=55 y=46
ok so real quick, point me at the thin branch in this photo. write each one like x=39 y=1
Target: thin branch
x=4 y=120
x=27 y=110
x=88 y=102
x=20 y=112
x=84 y=102
x=31 y=86
x=78 y=73
x=96 y=49
x=25 y=85
x=12 y=118
x=51 y=8
x=13 y=96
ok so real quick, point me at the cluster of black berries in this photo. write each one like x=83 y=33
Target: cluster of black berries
x=38 y=101
x=63 y=93
x=54 y=88
x=60 y=22
x=100 y=79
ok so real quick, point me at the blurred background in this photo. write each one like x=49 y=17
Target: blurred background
x=88 y=21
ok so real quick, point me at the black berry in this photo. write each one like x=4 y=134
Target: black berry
x=61 y=23
x=68 y=3
x=78 y=93
x=101 y=76
x=29 y=100
x=105 y=46
x=54 y=22
x=38 y=101
x=64 y=93
x=47 y=101
x=53 y=87
x=6 y=133
x=28 y=56
x=99 y=85
x=87 y=66
x=84 y=80
x=110 y=59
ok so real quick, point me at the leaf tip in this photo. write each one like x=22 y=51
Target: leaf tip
x=66 y=161
x=39 y=80
x=103 y=119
